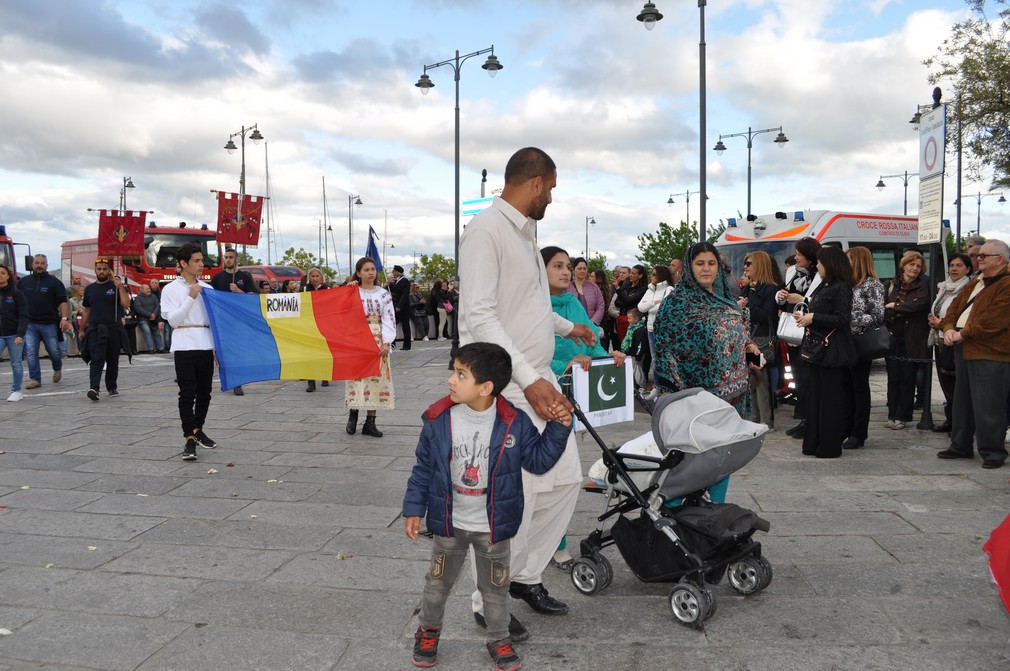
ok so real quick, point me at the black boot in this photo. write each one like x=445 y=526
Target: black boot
x=311 y=386
x=369 y=428
x=352 y=422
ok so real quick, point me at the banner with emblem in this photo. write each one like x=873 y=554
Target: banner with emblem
x=121 y=233
x=238 y=218
x=605 y=393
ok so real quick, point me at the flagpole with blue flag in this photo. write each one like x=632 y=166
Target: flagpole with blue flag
x=372 y=251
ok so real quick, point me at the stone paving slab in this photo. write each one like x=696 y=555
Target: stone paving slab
x=48 y=499
x=962 y=549
x=76 y=524
x=257 y=534
x=893 y=580
x=94 y=591
x=98 y=641
x=39 y=446
x=377 y=543
x=246 y=489
x=130 y=467
x=355 y=572
x=33 y=550
x=212 y=563
x=133 y=484
x=808 y=502
x=214 y=647
x=166 y=506
x=21 y=477
x=837 y=523
x=40 y=462
x=329 y=461
x=321 y=514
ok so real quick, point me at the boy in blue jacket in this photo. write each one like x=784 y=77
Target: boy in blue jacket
x=468 y=481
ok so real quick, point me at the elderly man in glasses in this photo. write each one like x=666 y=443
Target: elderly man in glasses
x=977 y=325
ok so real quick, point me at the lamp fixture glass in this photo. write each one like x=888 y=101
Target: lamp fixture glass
x=425 y=83
x=492 y=65
x=649 y=15
x=256 y=136
x=230 y=146
x=880 y=184
x=719 y=147
x=670 y=201
x=781 y=139
x=129 y=183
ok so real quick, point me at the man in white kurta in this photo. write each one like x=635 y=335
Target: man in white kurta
x=505 y=299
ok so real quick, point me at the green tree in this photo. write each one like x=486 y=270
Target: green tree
x=246 y=259
x=658 y=249
x=598 y=262
x=306 y=261
x=431 y=268
x=975 y=59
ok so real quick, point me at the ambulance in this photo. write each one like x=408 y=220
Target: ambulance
x=887 y=237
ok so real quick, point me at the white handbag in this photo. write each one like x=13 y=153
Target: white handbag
x=789 y=331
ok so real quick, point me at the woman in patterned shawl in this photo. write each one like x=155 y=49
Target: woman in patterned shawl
x=702 y=335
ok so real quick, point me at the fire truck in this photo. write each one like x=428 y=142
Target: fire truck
x=157 y=262
x=7 y=257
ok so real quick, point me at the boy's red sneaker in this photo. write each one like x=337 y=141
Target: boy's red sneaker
x=504 y=655
x=426 y=647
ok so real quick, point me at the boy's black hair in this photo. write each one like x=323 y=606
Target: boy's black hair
x=487 y=362
x=186 y=251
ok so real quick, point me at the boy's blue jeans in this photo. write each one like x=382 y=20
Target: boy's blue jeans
x=7 y=342
x=447 y=558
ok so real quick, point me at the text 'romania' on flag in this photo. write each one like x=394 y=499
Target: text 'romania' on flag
x=318 y=335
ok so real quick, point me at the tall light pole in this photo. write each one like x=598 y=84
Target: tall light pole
x=687 y=197
x=904 y=177
x=978 y=214
x=256 y=137
x=589 y=221
x=492 y=66
x=127 y=184
x=352 y=200
x=649 y=16
x=780 y=140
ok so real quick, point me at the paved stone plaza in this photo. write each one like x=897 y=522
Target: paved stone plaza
x=284 y=549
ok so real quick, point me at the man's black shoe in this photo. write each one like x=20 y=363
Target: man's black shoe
x=537 y=598
x=517 y=632
x=992 y=463
x=238 y=391
x=941 y=428
x=799 y=430
x=951 y=454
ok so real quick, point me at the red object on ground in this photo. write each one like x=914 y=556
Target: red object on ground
x=998 y=549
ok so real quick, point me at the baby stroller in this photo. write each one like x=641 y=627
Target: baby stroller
x=666 y=529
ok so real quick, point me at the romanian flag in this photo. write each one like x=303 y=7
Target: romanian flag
x=316 y=335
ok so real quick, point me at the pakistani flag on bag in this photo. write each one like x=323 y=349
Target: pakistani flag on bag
x=604 y=392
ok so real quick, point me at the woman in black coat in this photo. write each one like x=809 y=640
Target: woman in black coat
x=906 y=309
x=827 y=390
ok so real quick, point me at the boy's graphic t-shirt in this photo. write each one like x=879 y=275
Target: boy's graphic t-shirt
x=471 y=434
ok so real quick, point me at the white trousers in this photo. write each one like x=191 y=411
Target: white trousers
x=545 y=520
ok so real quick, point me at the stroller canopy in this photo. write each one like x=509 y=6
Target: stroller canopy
x=695 y=421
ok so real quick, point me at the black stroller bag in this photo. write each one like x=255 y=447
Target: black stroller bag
x=708 y=530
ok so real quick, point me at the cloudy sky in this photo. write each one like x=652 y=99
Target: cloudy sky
x=95 y=90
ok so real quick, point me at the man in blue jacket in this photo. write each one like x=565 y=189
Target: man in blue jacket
x=468 y=480
x=48 y=313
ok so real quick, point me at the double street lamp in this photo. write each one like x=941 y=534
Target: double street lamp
x=352 y=200
x=256 y=137
x=127 y=184
x=780 y=140
x=904 y=177
x=492 y=66
x=978 y=214
x=649 y=16
x=687 y=198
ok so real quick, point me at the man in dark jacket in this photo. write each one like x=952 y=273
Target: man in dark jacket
x=13 y=325
x=234 y=280
x=48 y=314
x=399 y=287
x=148 y=311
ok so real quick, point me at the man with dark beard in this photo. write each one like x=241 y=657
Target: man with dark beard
x=105 y=303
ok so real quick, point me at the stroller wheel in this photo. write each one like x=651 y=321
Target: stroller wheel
x=587 y=576
x=606 y=571
x=690 y=604
x=749 y=575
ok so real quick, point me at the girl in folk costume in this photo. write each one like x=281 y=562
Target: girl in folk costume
x=372 y=393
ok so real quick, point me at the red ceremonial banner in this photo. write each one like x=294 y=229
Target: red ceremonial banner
x=238 y=221
x=121 y=233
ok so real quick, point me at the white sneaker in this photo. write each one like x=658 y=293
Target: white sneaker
x=15 y=396
x=1005 y=440
x=425 y=338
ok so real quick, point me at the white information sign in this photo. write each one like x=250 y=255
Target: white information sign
x=932 y=142
x=931 y=210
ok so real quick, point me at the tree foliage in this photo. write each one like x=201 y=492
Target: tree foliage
x=975 y=59
x=670 y=243
x=436 y=266
x=306 y=261
x=244 y=258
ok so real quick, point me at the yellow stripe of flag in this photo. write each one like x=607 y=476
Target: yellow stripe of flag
x=303 y=350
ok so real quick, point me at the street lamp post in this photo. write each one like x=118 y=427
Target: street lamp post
x=352 y=200
x=589 y=220
x=904 y=177
x=649 y=16
x=492 y=66
x=978 y=214
x=256 y=137
x=127 y=184
x=780 y=140
x=687 y=197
